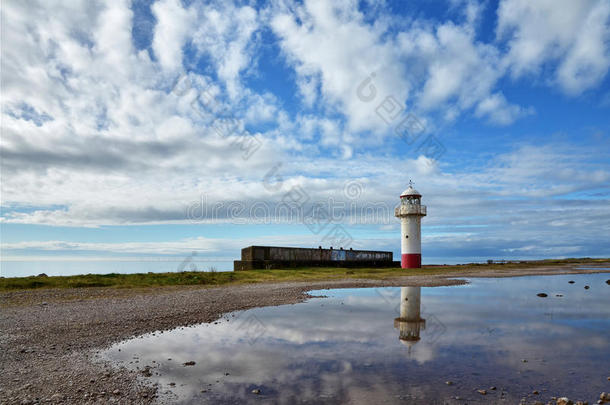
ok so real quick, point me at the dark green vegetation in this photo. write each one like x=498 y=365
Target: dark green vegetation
x=257 y=276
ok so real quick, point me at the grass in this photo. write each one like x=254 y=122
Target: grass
x=139 y=280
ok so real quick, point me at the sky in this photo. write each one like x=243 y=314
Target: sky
x=163 y=129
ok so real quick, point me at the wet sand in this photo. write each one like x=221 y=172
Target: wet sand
x=49 y=338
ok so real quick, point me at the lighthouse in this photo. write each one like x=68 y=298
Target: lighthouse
x=410 y=322
x=410 y=211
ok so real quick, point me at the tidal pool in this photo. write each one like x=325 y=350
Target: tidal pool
x=394 y=345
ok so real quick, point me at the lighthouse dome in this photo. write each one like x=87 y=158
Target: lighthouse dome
x=410 y=192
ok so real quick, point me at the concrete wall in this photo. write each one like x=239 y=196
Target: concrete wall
x=290 y=253
x=261 y=257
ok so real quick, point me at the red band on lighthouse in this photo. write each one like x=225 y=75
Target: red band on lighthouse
x=410 y=261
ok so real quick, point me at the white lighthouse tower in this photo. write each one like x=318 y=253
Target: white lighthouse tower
x=410 y=211
x=410 y=322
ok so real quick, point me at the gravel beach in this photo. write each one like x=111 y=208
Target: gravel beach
x=49 y=337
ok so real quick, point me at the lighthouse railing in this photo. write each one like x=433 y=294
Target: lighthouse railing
x=410 y=210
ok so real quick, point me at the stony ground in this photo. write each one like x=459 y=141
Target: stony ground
x=48 y=338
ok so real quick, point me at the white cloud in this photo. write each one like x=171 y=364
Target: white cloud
x=573 y=33
x=499 y=111
x=331 y=43
x=224 y=33
x=588 y=60
x=174 y=24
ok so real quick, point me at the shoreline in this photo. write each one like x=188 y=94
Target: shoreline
x=49 y=337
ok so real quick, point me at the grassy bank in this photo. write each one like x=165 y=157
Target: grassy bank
x=254 y=276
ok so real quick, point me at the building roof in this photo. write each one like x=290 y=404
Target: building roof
x=410 y=192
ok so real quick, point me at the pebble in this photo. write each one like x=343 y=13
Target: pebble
x=543 y=295
x=189 y=363
x=449 y=382
x=535 y=392
x=587 y=287
x=482 y=392
x=564 y=401
x=116 y=392
x=492 y=388
x=571 y=281
x=608 y=281
x=256 y=391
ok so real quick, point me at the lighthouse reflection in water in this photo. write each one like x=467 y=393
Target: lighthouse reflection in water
x=410 y=322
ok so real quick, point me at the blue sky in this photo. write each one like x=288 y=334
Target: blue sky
x=155 y=129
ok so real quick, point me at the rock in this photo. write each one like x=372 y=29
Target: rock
x=116 y=392
x=492 y=388
x=256 y=391
x=173 y=384
x=56 y=397
x=482 y=392
x=524 y=360
x=449 y=382
x=42 y=275
x=564 y=401
x=587 y=287
x=604 y=397
x=543 y=295
x=189 y=363
x=535 y=392
x=608 y=281
x=558 y=295
x=571 y=281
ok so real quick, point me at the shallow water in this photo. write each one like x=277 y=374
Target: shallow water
x=364 y=346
